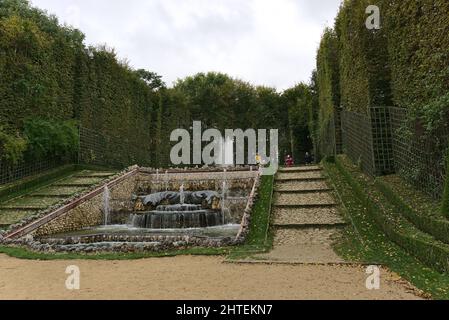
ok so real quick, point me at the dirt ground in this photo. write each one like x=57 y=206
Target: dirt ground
x=191 y=278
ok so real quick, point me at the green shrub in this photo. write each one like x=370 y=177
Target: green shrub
x=445 y=202
x=12 y=148
x=51 y=139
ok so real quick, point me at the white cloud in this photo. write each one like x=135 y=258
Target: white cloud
x=266 y=42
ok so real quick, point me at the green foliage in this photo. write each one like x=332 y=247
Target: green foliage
x=445 y=202
x=328 y=75
x=418 y=33
x=297 y=100
x=48 y=73
x=153 y=80
x=328 y=83
x=364 y=67
x=51 y=139
x=12 y=148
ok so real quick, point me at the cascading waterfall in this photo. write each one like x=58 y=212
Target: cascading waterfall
x=106 y=204
x=183 y=209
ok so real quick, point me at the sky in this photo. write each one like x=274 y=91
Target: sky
x=265 y=42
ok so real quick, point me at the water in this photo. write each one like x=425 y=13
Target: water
x=181 y=195
x=106 y=205
x=223 y=197
x=229 y=230
x=166 y=181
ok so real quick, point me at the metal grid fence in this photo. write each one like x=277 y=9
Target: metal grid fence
x=382 y=140
x=357 y=140
x=327 y=139
x=23 y=170
x=94 y=149
x=418 y=158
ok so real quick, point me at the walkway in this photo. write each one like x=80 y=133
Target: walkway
x=306 y=218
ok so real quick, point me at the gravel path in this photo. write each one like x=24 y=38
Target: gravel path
x=192 y=278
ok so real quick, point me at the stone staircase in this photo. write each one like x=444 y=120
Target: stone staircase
x=306 y=220
x=14 y=210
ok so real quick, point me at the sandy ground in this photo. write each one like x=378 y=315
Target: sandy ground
x=191 y=278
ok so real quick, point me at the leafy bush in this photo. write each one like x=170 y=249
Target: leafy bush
x=445 y=202
x=51 y=139
x=12 y=148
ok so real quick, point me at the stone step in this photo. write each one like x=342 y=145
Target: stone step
x=74 y=185
x=307 y=216
x=292 y=179
x=298 y=175
x=50 y=196
x=21 y=208
x=314 y=199
x=300 y=185
x=302 y=191
x=299 y=226
x=300 y=169
x=310 y=205
x=95 y=175
x=8 y=217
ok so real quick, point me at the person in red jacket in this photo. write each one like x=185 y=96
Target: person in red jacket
x=289 y=162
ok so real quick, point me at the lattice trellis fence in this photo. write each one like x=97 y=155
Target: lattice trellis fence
x=418 y=158
x=367 y=140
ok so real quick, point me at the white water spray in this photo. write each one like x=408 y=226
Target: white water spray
x=106 y=204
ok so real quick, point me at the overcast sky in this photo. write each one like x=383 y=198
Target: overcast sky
x=265 y=42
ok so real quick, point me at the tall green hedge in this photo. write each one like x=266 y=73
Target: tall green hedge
x=445 y=202
x=418 y=34
x=328 y=81
x=364 y=67
x=48 y=73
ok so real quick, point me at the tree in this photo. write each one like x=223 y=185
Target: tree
x=152 y=79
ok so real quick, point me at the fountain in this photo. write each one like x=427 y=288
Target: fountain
x=223 y=196
x=106 y=205
x=181 y=195
x=179 y=210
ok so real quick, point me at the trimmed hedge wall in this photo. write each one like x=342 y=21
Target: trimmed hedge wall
x=364 y=67
x=48 y=73
x=328 y=81
x=418 y=34
x=445 y=202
